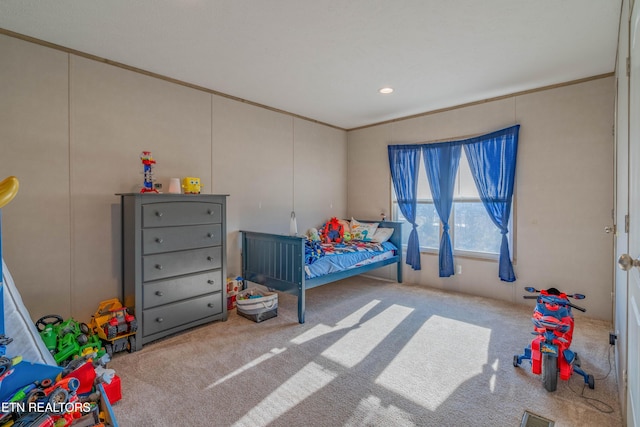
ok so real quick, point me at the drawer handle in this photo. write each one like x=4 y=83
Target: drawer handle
x=159 y=293
x=209 y=258
x=210 y=305
x=158 y=214
x=210 y=212
x=211 y=235
x=159 y=266
x=159 y=319
x=159 y=240
x=211 y=282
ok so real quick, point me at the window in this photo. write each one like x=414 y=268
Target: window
x=472 y=232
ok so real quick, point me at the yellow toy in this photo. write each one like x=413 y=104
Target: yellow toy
x=191 y=185
x=113 y=323
x=8 y=189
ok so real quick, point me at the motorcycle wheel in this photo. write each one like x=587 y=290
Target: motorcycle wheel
x=550 y=372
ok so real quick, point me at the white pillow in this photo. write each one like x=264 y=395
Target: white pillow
x=382 y=235
x=19 y=326
x=363 y=231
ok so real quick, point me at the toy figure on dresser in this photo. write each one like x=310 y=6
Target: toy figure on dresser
x=191 y=185
x=148 y=162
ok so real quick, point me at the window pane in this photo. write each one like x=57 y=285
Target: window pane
x=428 y=226
x=473 y=229
x=424 y=191
x=466 y=186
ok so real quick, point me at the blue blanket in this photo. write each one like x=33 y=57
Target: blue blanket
x=344 y=257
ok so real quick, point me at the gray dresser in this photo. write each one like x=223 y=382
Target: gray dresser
x=173 y=261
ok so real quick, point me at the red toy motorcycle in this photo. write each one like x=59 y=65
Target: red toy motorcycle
x=549 y=351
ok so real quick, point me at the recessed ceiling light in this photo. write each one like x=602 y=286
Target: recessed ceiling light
x=386 y=90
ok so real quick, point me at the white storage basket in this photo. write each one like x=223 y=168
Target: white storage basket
x=257 y=305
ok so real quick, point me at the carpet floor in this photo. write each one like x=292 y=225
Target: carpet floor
x=371 y=353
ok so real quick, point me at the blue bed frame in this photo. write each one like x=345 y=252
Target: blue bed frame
x=277 y=262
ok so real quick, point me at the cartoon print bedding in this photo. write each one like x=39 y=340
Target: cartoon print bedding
x=325 y=258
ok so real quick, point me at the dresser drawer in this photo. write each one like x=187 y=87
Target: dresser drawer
x=165 y=214
x=171 y=264
x=171 y=290
x=179 y=313
x=167 y=239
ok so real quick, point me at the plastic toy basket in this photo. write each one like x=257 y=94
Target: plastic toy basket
x=257 y=305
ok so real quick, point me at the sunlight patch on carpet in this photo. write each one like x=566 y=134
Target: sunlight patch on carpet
x=492 y=380
x=255 y=362
x=348 y=322
x=372 y=412
x=433 y=364
x=358 y=343
x=297 y=388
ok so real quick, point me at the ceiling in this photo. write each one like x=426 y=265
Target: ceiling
x=326 y=59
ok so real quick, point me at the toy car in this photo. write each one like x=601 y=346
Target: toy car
x=67 y=339
x=113 y=323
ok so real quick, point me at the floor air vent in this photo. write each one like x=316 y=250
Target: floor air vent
x=533 y=420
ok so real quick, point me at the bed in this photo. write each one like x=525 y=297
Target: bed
x=278 y=262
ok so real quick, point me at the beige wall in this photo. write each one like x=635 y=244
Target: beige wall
x=34 y=146
x=72 y=129
x=564 y=183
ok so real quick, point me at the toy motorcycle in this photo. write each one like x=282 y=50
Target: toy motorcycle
x=549 y=351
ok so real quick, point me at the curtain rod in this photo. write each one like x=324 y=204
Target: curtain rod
x=459 y=138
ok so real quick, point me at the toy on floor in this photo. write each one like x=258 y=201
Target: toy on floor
x=50 y=402
x=234 y=285
x=75 y=395
x=117 y=328
x=5 y=362
x=549 y=351
x=67 y=339
x=90 y=372
x=148 y=164
x=31 y=393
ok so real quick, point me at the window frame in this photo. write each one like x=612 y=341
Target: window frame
x=457 y=198
x=490 y=256
x=480 y=254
